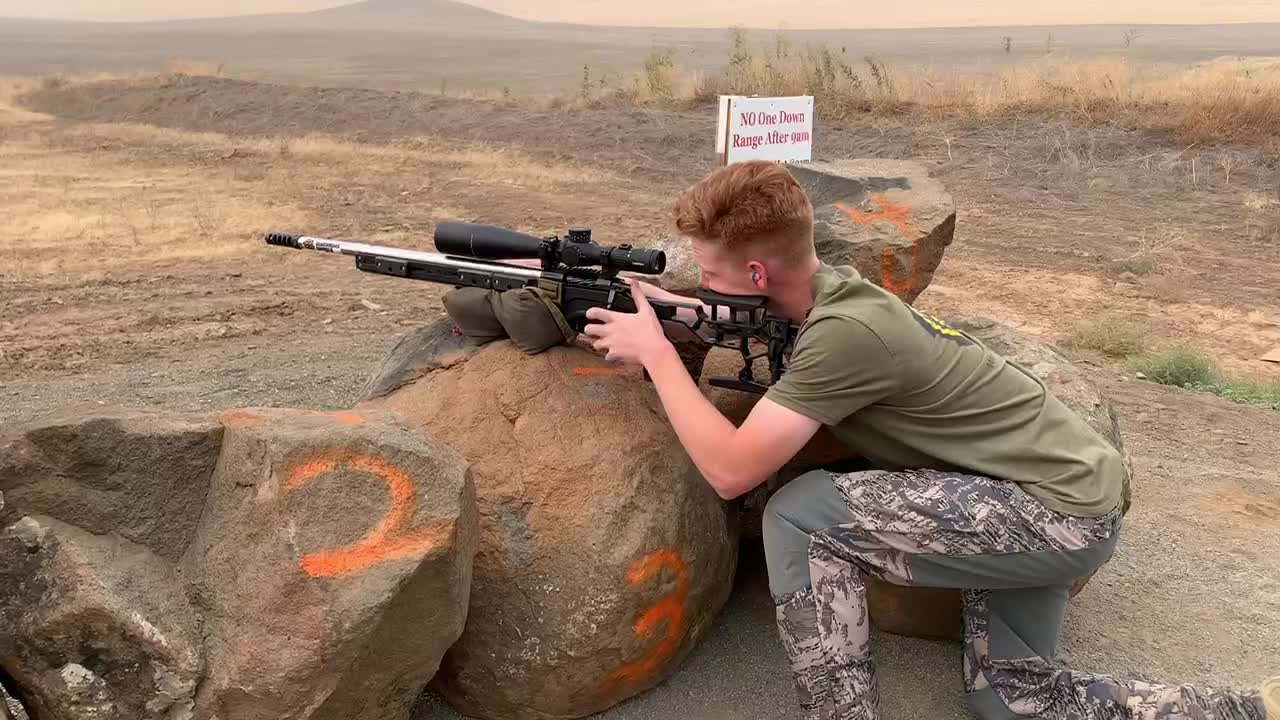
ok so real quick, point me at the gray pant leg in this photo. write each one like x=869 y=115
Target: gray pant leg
x=1011 y=638
x=1024 y=597
x=1019 y=623
x=1014 y=603
x=806 y=505
x=817 y=596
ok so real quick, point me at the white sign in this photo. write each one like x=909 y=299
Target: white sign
x=755 y=128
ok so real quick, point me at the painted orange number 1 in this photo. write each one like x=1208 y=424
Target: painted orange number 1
x=670 y=608
x=898 y=216
x=389 y=539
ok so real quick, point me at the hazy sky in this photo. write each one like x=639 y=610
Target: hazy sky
x=721 y=13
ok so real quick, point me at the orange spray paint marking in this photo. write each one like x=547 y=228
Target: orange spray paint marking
x=891 y=283
x=345 y=417
x=387 y=541
x=899 y=216
x=240 y=417
x=888 y=210
x=670 y=608
x=248 y=417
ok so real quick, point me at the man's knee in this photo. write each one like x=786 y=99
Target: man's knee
x=788 y=504
x=806 y=505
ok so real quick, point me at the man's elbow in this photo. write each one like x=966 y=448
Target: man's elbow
x=732 y=484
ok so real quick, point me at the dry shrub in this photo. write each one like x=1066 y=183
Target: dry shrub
x=188 y=66
x=1227 y=100
x=1110 y=336
x=1159 y=252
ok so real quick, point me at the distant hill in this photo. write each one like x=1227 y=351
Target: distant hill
x=363 y=16
x=412 y=15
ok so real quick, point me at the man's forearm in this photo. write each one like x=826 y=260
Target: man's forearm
x=684 y=314
x=706 y=434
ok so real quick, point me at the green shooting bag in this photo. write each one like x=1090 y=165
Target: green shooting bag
x=526 y=315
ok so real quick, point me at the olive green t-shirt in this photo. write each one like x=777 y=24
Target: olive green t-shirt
x=906 y=391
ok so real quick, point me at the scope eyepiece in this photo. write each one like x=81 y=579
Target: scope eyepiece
x=642 y=260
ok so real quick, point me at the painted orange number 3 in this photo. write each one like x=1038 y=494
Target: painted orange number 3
x=668 y=609
x=389 y=539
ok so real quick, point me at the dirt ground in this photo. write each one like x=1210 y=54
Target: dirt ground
x=132 y=272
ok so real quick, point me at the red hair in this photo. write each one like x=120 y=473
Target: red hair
x=757 y=204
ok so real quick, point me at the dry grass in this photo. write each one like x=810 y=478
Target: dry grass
x=1224 y=101
x=1257 y=202
x=480 y=162
x=77 y=213
x=1159 y=251
x=82 y=200
x=1113 y=337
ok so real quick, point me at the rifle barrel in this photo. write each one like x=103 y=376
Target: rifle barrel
x=342 y=247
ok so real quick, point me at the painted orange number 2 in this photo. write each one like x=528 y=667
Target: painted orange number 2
x=670 y=608
x=389 y=539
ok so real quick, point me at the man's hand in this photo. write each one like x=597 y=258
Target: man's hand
x=630 y=338
x=733 y=460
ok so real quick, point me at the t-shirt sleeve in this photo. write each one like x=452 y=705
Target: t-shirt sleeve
x=839 y=366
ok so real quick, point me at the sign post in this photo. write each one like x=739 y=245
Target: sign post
x=758 y=128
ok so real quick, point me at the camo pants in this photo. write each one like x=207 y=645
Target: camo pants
x=1015 y=559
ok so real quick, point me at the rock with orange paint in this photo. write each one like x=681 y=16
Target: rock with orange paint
x=94 y=626
x=331 y=564
x=603 y=555
x=140 y=474
x=887 y=218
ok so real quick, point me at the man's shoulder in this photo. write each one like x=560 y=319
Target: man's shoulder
x=846 y=302
x=839 y=363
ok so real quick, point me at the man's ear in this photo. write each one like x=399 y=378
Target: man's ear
x=759 y=273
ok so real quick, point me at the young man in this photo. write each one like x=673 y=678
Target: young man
x=986 y=482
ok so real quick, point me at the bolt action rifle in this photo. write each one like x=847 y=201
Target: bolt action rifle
x=579 y=274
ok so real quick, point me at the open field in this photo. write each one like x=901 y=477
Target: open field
x=435 y=45
x=132 y=272
x=1142 y=229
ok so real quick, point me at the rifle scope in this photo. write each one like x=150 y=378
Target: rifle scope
x=490 y=242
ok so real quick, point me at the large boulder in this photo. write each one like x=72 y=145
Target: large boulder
x=139 y=474
x=314 y=564
x=331 y=565
x=603 y=555
x=94 y=626
x=887 y=218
